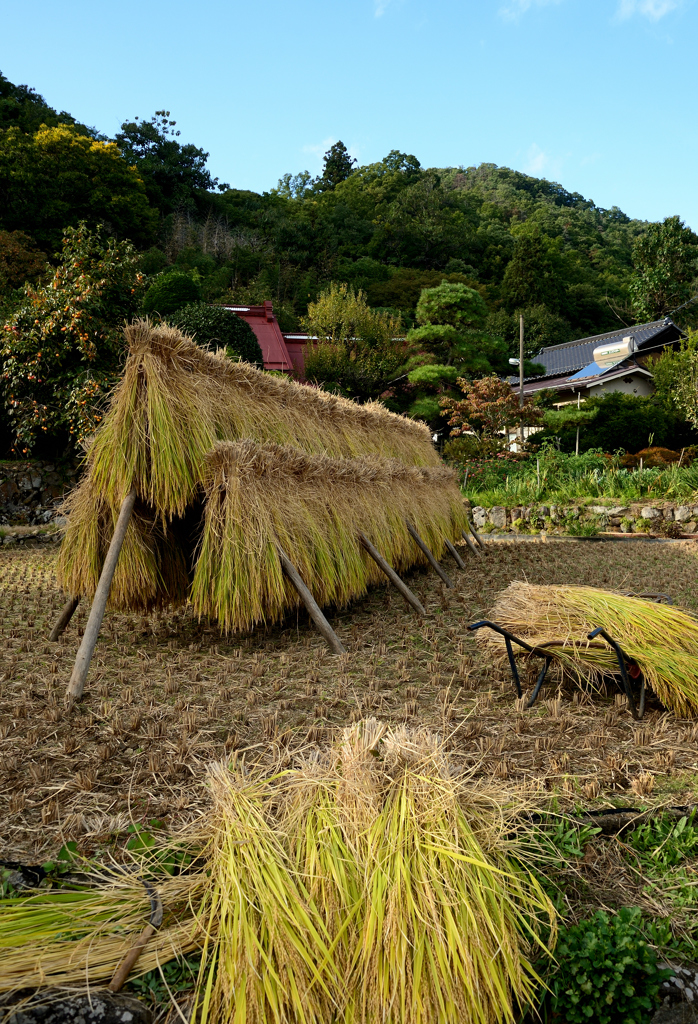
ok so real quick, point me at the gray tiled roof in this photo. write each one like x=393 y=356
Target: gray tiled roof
x=573 y=355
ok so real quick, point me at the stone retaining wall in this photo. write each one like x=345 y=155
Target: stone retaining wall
x=634 y=518
x=30 y=490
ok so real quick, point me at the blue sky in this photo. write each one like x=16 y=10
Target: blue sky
x=596 y=94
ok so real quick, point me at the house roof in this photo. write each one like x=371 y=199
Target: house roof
x=268 y=333
x=575 y=355
x=627 y=368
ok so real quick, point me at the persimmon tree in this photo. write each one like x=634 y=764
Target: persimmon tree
x=63 y=347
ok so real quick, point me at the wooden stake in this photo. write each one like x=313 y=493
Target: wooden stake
x=468 y=541
x=126 y=966
x=430 y=558
x=393 y=576
x=314 y=610
x=477 y=537
x=67 y=612
x=456 y=554
x=99 y=602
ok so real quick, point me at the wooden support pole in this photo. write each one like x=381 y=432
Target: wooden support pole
x=67 y=612
x=393 y=576
x=314 y=610
x=127 y=964
x=477 y=537
x=456 y=554
x=99 y=602
x=469 y=541
x=430 y=558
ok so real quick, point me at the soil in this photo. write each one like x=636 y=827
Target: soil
x=167 y=694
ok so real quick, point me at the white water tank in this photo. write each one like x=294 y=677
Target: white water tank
x=614 y=352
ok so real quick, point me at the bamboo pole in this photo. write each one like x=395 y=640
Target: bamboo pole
x=456 y=554
x=314 y=610
x=430 y=558
x=99 y=602
x=468 y=540
x=67 y=612
x=392 y=576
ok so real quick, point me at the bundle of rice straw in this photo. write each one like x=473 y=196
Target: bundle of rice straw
x=173 y=404
x=80 y=936
x=260 y=497
x=369 y=885
x=662 y=639
x=366 y=883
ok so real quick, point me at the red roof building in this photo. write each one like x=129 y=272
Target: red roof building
x=280 y=351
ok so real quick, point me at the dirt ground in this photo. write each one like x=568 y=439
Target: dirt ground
x=167 y=694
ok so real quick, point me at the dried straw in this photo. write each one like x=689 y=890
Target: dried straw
x=369 y=883
x=662 y=639
x=173 y=404
x=262 y=496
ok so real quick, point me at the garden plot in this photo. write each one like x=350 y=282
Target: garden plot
x=168 y=694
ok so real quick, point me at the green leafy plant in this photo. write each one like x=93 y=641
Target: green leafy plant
x=144 y=846
x=175 y=976
x=170 y=291
x=567 y=837
x=214 y=327
x=606 y=971
x=664 y=844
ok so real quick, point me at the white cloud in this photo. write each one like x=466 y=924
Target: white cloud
x=381 y=7
x=652 y=9
x=515 y=8
x=540 y=164
x=536 y=161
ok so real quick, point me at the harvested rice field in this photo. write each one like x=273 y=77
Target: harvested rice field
x=168 y=694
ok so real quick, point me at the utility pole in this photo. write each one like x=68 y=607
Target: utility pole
x=521 y=376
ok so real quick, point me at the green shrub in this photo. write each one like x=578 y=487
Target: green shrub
x=606 y=972
x=215 y=327
x=169 y=292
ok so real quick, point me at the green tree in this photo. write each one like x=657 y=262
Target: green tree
x=174 y=174
x=664 y=268
x=23 y=108
x=63 y=347
x=214 y=327
x=20 y=261
x=453 y=304
x=534 y=274
x=337 y=167
x=542 y=328
x=59 y=177
x=359 y=351
x=170 y=291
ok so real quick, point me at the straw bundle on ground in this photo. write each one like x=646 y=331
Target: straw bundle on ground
x=404 y=887
x=368 y=883
x=662 y=639
x=262 y=496
x=78 y=938
x=172 y=405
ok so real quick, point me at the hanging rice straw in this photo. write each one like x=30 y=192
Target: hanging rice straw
x=264 y=496
x=662 y=639
x=172 y=405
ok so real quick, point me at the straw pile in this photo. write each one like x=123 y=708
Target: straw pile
x=260 y=497
x=662 y=639
x=172 y=405
x=366 y=884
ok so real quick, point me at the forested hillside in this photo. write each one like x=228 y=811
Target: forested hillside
x=391 y=229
